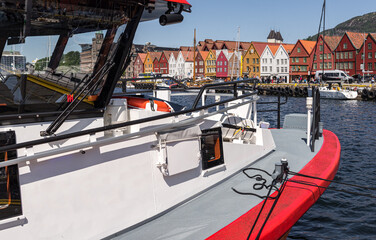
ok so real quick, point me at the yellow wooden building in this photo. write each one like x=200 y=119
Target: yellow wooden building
x=210 y=64
x=251 y=59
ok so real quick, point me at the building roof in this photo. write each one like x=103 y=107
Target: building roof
x=288 y=47
x=142 y=56
x=168 y=54
x=204 y=54
x=356 y=39
x=186 y=48
x=274 y=48
x=260 y=46
x=373 y=35
x=155 y=55
x=332 y=41
x=275 y=35
x=308 y=45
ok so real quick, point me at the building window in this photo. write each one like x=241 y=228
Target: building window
x=330 y=65
x=321 y=47
x=369 y=46
x=271 y=69
x=277 y=69
x=293 y=60
x=346 y=55
x=305 y=59
x=337 y=55
x=277 y=62
x=315 y=66
x=297 y=60
x=253 y=60
x=362 y=57
x=247 y=60
x=337 y=65
x=369 y=66
x=257 y=69
x=345 y=46
x=298 y=50
x=329 y=56
x=350 y=65
x=320 y=56
x=270 y=60
x=254 y=69
x=350 y=55
x=341 y=55
x=320 y=65
x=369 y=55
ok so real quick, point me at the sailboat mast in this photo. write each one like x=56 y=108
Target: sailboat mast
x=194 y=56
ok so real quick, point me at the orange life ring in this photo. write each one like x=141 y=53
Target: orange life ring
x=141 y=103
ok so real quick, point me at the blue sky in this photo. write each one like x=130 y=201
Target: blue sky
x=219 y=19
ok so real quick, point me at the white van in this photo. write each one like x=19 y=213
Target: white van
x=336 y=74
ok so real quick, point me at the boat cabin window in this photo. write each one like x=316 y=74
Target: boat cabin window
x=33 y=95
x=10 y=196
x=211 y=148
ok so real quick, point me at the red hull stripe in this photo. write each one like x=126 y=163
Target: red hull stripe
x=294 y=201
x=179 y=1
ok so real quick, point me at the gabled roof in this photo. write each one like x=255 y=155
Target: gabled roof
x=308 y=45
x=186 y=48
x=332 y=41
x=260 y=46
x=273 y=49
x=155 y=55
x=204 y=54
x=189 y=56
x=168 y=54
x=142 y=56
x=288 y=47
x=373 y=35
x=356 y=39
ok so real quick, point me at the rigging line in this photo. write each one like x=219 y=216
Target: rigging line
x=272 y=208
x=337 y=190
x=328 y=180
x=262 y=207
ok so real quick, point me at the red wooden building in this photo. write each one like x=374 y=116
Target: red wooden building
x=322 y=55
x=138 y=66
x=200 y=64
x=346 y=52
x=156 y=56
x=367 y=56
x=300 y=59
x=222 y=64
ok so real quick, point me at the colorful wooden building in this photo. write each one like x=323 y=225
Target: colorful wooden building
x=210 y=65
x=346 y=52
x=200 y=64
x=139 y=64
x=300 y=59
x=367 y=56
x=222 y=63
x=323 y=57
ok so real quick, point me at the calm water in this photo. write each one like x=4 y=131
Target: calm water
x=339 y=215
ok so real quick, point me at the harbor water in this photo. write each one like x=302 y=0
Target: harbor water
x=339 y=215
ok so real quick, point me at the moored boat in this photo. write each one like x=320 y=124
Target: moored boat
x=85 y=163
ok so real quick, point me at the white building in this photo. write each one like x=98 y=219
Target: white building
x=282 y=61
x=274 y=61
x=172 y=65
x=180 y=65
x=188 y=65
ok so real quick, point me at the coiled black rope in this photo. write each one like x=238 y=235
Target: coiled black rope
x=261 y=184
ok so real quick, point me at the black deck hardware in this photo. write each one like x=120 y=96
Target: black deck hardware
x=315 y=118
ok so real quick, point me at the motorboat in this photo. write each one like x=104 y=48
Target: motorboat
x=333 y=91
x=78 y=161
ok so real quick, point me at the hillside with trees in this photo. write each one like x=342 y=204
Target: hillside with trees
x=365 y=23
x=69 y=59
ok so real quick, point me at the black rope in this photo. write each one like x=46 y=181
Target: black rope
x=333 y=181
x=272 y=208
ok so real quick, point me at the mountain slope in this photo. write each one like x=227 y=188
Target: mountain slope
x=365 y=23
